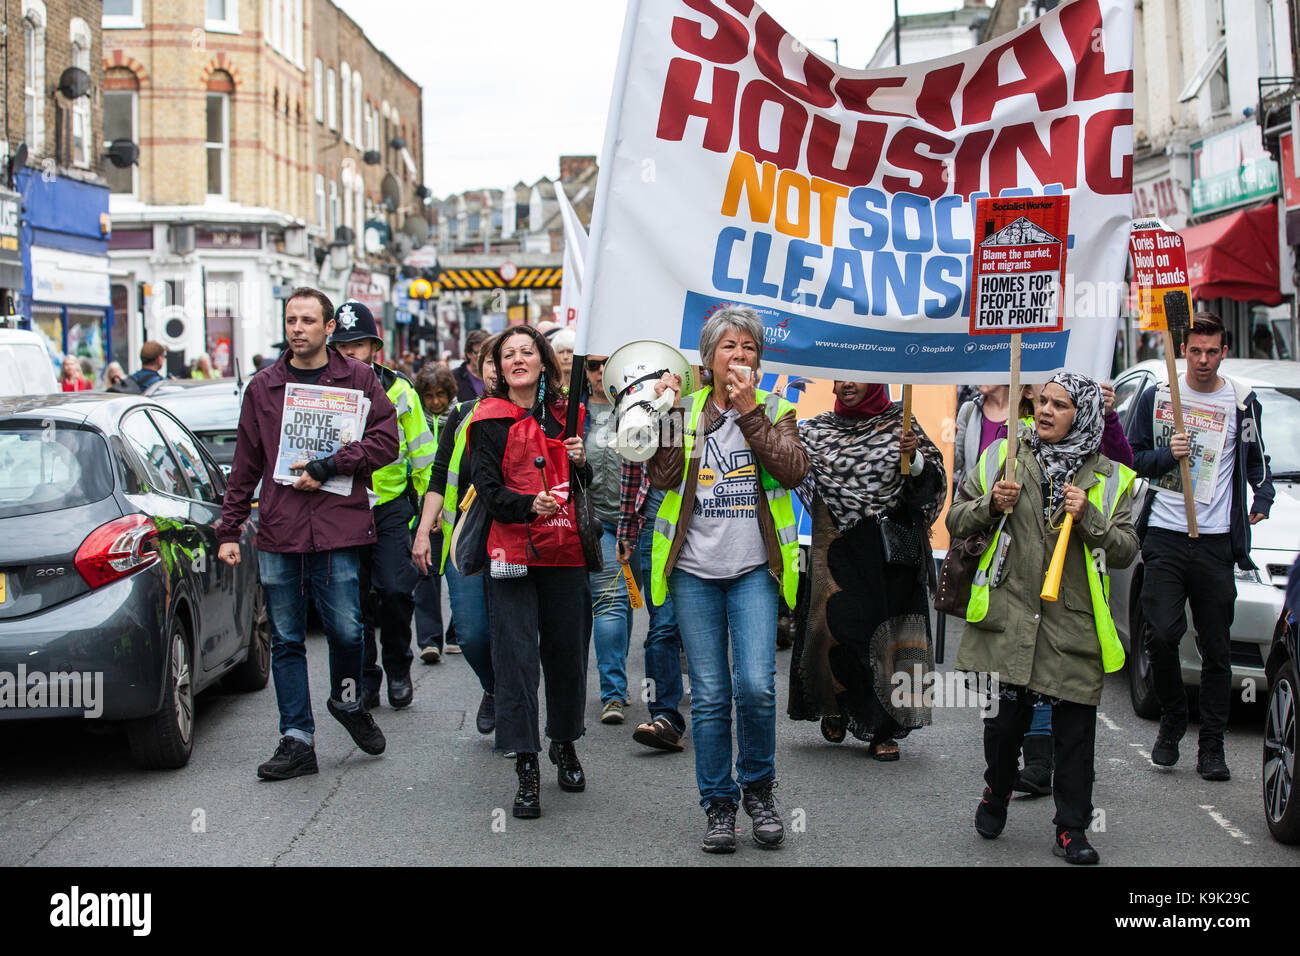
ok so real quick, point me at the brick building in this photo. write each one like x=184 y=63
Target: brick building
x=53 y=81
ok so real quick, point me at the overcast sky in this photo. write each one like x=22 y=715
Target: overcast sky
x=511 y=85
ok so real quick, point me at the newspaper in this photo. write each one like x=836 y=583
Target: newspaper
x=317 y=422
x=1206 y=424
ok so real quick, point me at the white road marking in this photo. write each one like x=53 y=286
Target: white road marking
x=1224 y=822
x=1107 y=721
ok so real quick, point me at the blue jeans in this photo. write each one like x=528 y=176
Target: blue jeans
x=611 y=619
x=663 y=643
x=1042 y=722
x=742 y=612
x=332 y=579
x=469 y=611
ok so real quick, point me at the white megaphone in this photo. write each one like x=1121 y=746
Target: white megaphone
x=629 y=381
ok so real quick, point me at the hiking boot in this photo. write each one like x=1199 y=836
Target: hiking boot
x=528 y=801
x=991 y=815
x=720 y=837
x=1073 y=847
x=568 y=773
x=292 y=758
x=760 y=804
x=486 y=719
x=660 y=734
x=1164 y=753
x=1210 y=763
x=365 y=732
x=612 y=713
x=1036 y=777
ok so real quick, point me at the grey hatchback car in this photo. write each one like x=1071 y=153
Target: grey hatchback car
x=112 y=601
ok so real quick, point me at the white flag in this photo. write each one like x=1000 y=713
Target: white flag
x=575 y=255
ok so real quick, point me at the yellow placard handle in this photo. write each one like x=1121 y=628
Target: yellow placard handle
x=633 y=592
x=1052 y=583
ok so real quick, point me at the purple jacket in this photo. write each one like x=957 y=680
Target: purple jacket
x=296 y=522
x=1114 y=443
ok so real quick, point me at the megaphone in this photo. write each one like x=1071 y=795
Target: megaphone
x=629 y=381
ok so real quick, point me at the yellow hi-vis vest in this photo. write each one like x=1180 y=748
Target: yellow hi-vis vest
x=451 y=497
x=1104 y=496
x=415 y=443
x=779 y=501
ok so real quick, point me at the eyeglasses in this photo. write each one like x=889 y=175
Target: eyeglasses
x=595 y=365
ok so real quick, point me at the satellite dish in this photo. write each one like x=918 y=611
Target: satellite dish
x=423 y=191
x=417 y=229
x=371 y=157
x=123 y=153
x=74 y=82
x=344 y=234
x=397 y=142
x=391 y=191
x=401 y=245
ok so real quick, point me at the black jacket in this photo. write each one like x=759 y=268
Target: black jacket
x=1250 y=465
x=464 y=383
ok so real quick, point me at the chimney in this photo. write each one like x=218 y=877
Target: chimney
x=571 y=167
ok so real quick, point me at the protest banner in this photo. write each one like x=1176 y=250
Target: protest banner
x=317 y=422
x=741 y=168
x=575 y=254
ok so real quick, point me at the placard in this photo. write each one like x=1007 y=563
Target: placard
x=1019 y=268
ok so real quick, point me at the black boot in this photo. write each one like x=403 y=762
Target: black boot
x=991 y=814
x=569 y=773
x=1036 y=777
x=528 y=801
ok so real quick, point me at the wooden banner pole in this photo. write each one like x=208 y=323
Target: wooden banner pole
x=1184 y=465
x=905 y=464
x=1013 y=408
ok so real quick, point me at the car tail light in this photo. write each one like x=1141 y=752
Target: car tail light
x=116 y=549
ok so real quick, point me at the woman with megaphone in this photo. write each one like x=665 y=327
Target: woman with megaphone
x=1038 y=624
x=726 y=545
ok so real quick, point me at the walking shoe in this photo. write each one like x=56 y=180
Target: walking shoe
x=528 y=801
x=370 y=699
x=292 y=758
x=486 y=719
x=450 y=647
x=430 y=655
x=1036 y=777
x=1073 y=847
x=1211 y=765
x=568 y=772
x=1165 y=751
x=400 y=692
x=660 y=734
x=365 y=732
x=760 y=804
x=720 y=837
x=612 y=713
x=991 y=815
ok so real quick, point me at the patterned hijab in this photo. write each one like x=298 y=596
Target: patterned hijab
x=1061 y=460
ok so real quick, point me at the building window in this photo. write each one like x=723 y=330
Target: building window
x=345 y=80
x=358 y=197
x=318 y=89
x=218 y=139
x=122 y=15
x=359 y=130
x=79 y=33
x=222 y=16
x=120 y=107
x=297 y=32
x=286 y=36
x=34 y=76
x=331 y=99
x=334 y=207
x=320 y=200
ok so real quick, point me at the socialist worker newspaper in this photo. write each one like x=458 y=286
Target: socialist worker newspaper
x=1206 y=424
x=317 y=422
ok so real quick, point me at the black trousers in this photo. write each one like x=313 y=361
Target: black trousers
x=540 y=622
x=428 y=600
x=388 y=581
x=1074 y=734
x=1181 y=571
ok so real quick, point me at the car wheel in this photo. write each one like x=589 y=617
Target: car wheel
x=1281 y=805
x=1141 y=681
x=166 y=739
x=256 y=669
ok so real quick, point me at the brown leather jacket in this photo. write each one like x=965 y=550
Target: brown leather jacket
x=777 y=447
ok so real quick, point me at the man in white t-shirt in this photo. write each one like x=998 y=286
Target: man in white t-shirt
x=1181 y=571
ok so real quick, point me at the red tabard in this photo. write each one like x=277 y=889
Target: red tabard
x=548 y=542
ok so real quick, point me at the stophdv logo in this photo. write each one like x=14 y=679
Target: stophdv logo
x=60 y=690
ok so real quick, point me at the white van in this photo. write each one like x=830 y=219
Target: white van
x=25 y=366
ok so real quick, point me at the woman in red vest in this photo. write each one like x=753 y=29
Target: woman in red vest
x=538 y=595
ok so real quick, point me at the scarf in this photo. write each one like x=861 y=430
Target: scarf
x=874 y=402
x=1061 y=460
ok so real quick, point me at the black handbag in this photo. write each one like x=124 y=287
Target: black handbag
x=902 y=541
x=589 y=529
x=469 y=540
x=956 y=574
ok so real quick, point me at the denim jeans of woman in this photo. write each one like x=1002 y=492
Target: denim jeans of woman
x=663 y=641
x=469 y=610
x=739 y=614
x=611 y=626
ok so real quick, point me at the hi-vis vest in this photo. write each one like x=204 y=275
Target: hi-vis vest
x=415 y=443
x=779 y=501
x=1104 y=496
x=451 y=497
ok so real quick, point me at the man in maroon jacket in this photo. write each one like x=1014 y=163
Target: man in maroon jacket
x=307 y=539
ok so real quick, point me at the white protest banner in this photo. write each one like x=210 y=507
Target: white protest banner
x=739 y=167
x=575 y=255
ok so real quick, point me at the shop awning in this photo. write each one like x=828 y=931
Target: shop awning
x=1235 y=256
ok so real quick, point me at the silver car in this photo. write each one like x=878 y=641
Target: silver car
x=1274 y=542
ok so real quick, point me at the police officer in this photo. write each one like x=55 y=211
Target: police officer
x=388 y=578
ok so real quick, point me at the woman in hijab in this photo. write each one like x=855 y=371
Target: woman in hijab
x=1036 y=650
x=868 y=618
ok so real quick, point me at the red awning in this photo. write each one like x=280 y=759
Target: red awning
x=1235 y=256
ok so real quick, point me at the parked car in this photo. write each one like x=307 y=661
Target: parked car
x=1273 y=542
x=1281 y=803
x=207 y=407
x=108 y=568
x=25 y=366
